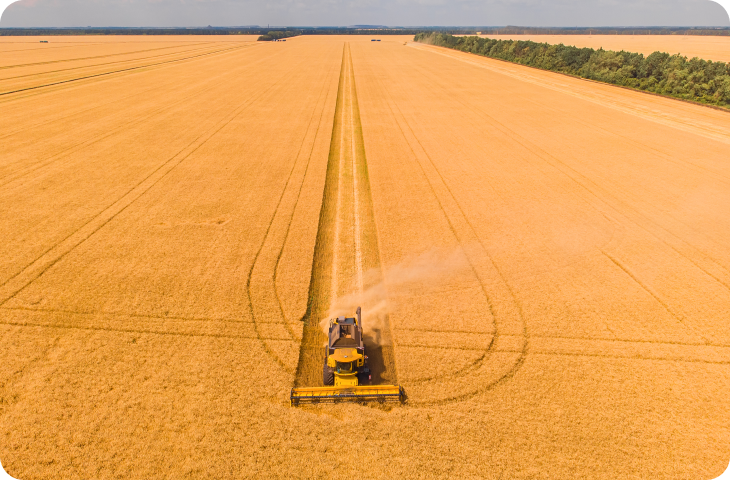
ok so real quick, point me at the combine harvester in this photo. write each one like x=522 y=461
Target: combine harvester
x=345 y=373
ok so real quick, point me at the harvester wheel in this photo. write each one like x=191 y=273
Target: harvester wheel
x=328 y=375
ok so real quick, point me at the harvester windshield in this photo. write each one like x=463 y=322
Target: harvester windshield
x=344 y=367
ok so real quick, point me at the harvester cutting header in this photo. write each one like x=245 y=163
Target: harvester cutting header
x=345 y=372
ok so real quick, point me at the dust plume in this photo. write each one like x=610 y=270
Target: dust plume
x=429 y=267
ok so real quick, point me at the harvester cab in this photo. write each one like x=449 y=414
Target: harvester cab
x=345 y=372
x=345 y=362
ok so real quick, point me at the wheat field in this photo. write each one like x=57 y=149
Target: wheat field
x=542 y=261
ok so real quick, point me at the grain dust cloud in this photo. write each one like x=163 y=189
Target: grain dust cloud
x=432 y=266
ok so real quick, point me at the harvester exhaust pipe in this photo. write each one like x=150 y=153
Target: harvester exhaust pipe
x=359 y=319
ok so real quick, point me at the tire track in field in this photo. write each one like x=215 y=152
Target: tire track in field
x=699 y=128
x=470 y=253
x=683 y=162
x=95 y=65
x=452 y=228
x=259 y=289
x=23 y=128
x=14 y=285
x=202 y=319
x=54 y=159
x=721 y=352
x=124 y=314
x=130 y=330
x=648 y=290
x=625 y=210
x=552 y=353
x=483 y=267
x=289 y=223
x=34 y=92
x=103 y=74
x=357 y=228
x=72 y=45
x=646 y=221
x=100 y=56
x=197 y=91
x=158 y=86
x=534 y=351
x=545 y=157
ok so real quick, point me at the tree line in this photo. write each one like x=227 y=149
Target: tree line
x=5 y=32
x=516 y=30
x=672 y=75
x=278 y=35
x=29 y=32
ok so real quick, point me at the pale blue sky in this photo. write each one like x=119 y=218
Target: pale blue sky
x=165 y=13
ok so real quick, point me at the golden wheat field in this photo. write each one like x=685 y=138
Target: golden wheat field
x=706 y=47
x=542 y=260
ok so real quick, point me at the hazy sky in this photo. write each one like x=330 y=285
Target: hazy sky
x=67 y=13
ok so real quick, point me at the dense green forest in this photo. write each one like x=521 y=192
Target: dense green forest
x=278 y=35
x=515 y=30
x=673 y=75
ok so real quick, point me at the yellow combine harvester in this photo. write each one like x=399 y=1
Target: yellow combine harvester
x=345 y=373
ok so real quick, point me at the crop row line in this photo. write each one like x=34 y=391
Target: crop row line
x=648 y=221
x=234 y=320
x=63 y=82
x=53 y=159
x=600 y=99
x=469 y=231
x=140 y=331
x=131 y=60
x=78 y=59
x=268 y=236
x=553 y=162
x=298 y=198
x=633 y=356
x=127 y=314
x=18 y=282
x=648 y=290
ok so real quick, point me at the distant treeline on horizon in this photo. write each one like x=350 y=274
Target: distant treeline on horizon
x=512 y=30
x=207 y=31
x=356 y=30
x=694 y=79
